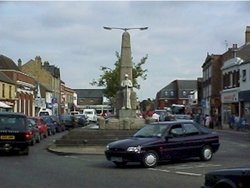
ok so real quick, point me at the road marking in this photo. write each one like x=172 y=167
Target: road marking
x=176 y=169
x=181 y=167
x=187 y=173
x=157 y=169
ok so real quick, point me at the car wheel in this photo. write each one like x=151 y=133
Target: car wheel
x=38 y=139
x=206 y=153
x=225 y=185
x=32 y=142
x=150 y=159
x=120 y=164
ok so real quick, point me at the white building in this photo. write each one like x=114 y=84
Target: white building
x=244 y=93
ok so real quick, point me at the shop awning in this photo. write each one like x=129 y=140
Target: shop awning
x=3 y=105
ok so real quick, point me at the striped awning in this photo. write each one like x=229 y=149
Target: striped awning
x=3 y=105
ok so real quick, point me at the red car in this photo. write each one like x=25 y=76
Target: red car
x=42 y=126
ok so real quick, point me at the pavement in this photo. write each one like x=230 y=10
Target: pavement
x=90 y=150
x=99 y=150
x=67 y=150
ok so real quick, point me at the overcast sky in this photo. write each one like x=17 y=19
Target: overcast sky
x=70 y=35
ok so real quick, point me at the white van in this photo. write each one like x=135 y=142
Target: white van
x=45 y=112
x=91 y=114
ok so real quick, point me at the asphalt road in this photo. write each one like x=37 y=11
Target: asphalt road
x=42 y=169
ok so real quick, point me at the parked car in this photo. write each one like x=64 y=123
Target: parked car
x=35 y=131
x=59 y=126
x=81 y=120
x=228 y=178
x=42 y=126
x=14 y=132
x=163 y=141
x=68 y=121
x=50 y=123
x=91 y=114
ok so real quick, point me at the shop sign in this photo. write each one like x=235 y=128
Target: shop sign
x=230 y=97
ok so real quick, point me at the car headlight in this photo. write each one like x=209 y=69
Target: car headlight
x=107 y=147
x=136 y=149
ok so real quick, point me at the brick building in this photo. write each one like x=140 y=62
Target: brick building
x=211 y=85
x=177 y=92
x=49 y=76
x=7 y=93
x=22 y=101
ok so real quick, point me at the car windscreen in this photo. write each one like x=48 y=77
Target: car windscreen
x=12 y=122
x=151 y=130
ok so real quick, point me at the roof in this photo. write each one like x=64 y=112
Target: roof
x=5 y=78
x=7 y=63
x=187 y=84
x=89 y=93
x=177 y=86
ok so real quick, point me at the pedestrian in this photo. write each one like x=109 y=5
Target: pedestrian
x=219 y=124
x=242 y=123
x=207 y=121
x=237 y=122
x=231 y=122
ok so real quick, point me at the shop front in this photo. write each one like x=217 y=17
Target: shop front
x=230 y=105
x=244 y=98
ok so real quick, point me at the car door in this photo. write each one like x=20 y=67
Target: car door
x=192 y=140
x=174 y=142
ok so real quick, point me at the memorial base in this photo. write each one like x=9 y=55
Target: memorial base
x=127 y=113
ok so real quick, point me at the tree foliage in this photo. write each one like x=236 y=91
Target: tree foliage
x=110 y=78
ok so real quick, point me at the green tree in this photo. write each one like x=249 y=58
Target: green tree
x=110 y=78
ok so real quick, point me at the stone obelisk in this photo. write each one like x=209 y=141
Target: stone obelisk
x=126 y=70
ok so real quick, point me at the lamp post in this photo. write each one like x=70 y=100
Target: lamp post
x=125 y=28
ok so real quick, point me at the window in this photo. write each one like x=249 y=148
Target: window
x=244 y=72
x=3 y=91
x=190 y=129
x=172 y=93
x=184 y=93
x=230 y=80
x=176 y=131
x=10 y=92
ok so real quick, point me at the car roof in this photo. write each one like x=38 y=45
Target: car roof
x=172 y=122
x=12 y=114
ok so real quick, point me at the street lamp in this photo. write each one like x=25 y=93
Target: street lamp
x=125 y=28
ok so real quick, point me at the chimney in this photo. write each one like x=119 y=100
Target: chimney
x=247 y=34
x=19 y=63
x=234 y=50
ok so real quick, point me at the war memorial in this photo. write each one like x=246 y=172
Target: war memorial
x=126 y=99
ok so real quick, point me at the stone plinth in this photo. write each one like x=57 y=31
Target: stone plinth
x=127 y=113
x=121 y=123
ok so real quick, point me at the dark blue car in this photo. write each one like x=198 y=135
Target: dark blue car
x=163 y=141
x=237 y=177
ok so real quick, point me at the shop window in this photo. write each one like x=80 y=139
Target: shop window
x=244 y=75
